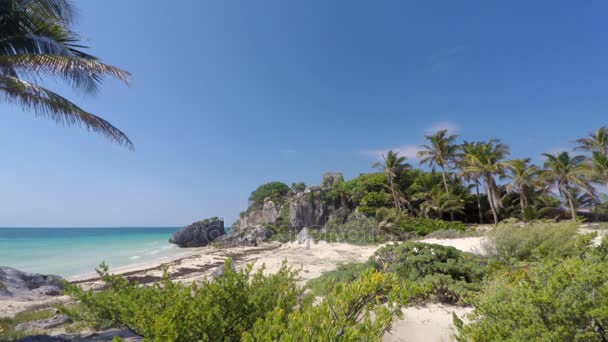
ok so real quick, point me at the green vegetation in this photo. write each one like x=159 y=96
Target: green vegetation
x=7 y=325
x=357 y=230
x=275 y=191
x=511 y=242
x=431 y=272
x=243 y=305
x=450 y=275
x=560 y=300
x=37 y=41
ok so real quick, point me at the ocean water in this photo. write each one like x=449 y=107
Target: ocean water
x=69 y=252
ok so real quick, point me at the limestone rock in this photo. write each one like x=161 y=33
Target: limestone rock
x=199 y=233
x=23 y=286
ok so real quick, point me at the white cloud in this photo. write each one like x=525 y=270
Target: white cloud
x=449 y=126
x=408 y=151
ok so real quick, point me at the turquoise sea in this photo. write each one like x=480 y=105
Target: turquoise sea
x=76 y=251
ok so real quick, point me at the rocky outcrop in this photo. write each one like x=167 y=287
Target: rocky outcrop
x=22 y=286
x=268 y=214
x=307 y=209
x=245 y=237
x=199 y=233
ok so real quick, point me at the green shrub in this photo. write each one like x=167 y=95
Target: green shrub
x=275 y=191
x=559 y=300
x=372 y=201
x=244 y=306
x=362 y=310
x=345 y=273
x=357 y=230
x=513 y=242
x=453 y=276
x=404 y=227
x=218 y=309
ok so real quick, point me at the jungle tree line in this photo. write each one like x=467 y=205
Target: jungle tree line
x=481 y=173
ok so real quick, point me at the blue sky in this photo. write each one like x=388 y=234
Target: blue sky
x=231 y=94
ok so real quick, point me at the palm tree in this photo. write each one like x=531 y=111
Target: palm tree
x=598 y=168
x=523 y=177
x=440 y=202
x=595 y=141
x=392 y=167
x=36 y=41
x=569 y=175
x=441 y=152
x=470 y=148
x=486 y=162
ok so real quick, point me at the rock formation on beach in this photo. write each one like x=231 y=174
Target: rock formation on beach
x=302 y=207
x=199 y=234
x=16 y=285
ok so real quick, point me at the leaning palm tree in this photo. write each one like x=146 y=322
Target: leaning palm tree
x=486 y=162
x=441 y=152
x=595 y=141
x=392 y=166
x=523 y=178
x=36 y=42
x=569 y=175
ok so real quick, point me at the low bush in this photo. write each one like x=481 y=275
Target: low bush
x=431 y=272
x=357 y=230
x=513 y=242
x=403 y=227
x=362 y=310
x=218 y=309
x=345 y=273
x=452 y=276
x=559 y=300
x=243 y=305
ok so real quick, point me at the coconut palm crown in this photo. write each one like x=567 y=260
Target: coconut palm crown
x=36 y=42
x=393 y=164
x=569 y=175
x=595 y=141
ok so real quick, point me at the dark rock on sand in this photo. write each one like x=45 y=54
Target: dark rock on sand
x=22 y=286
x=199 y=233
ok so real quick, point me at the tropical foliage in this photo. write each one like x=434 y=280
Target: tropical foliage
x=243 y=305
x=37 y=41
x=560 y=300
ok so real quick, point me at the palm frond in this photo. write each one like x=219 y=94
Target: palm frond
x=49 y=104
x=81 y=73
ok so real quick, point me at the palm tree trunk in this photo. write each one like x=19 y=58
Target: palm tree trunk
x=522 y=203
x=447 y=189
x=572 y=209
x=490 y=193
x=478 y=201
x=395 y=201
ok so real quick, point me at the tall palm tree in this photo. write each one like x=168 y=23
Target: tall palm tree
x=486 y=161
x=569 y=175
x=441 y=152
x=392 y=166
x=470 y=148
x=595 y=141
x=36 y=41
x=523 y=178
